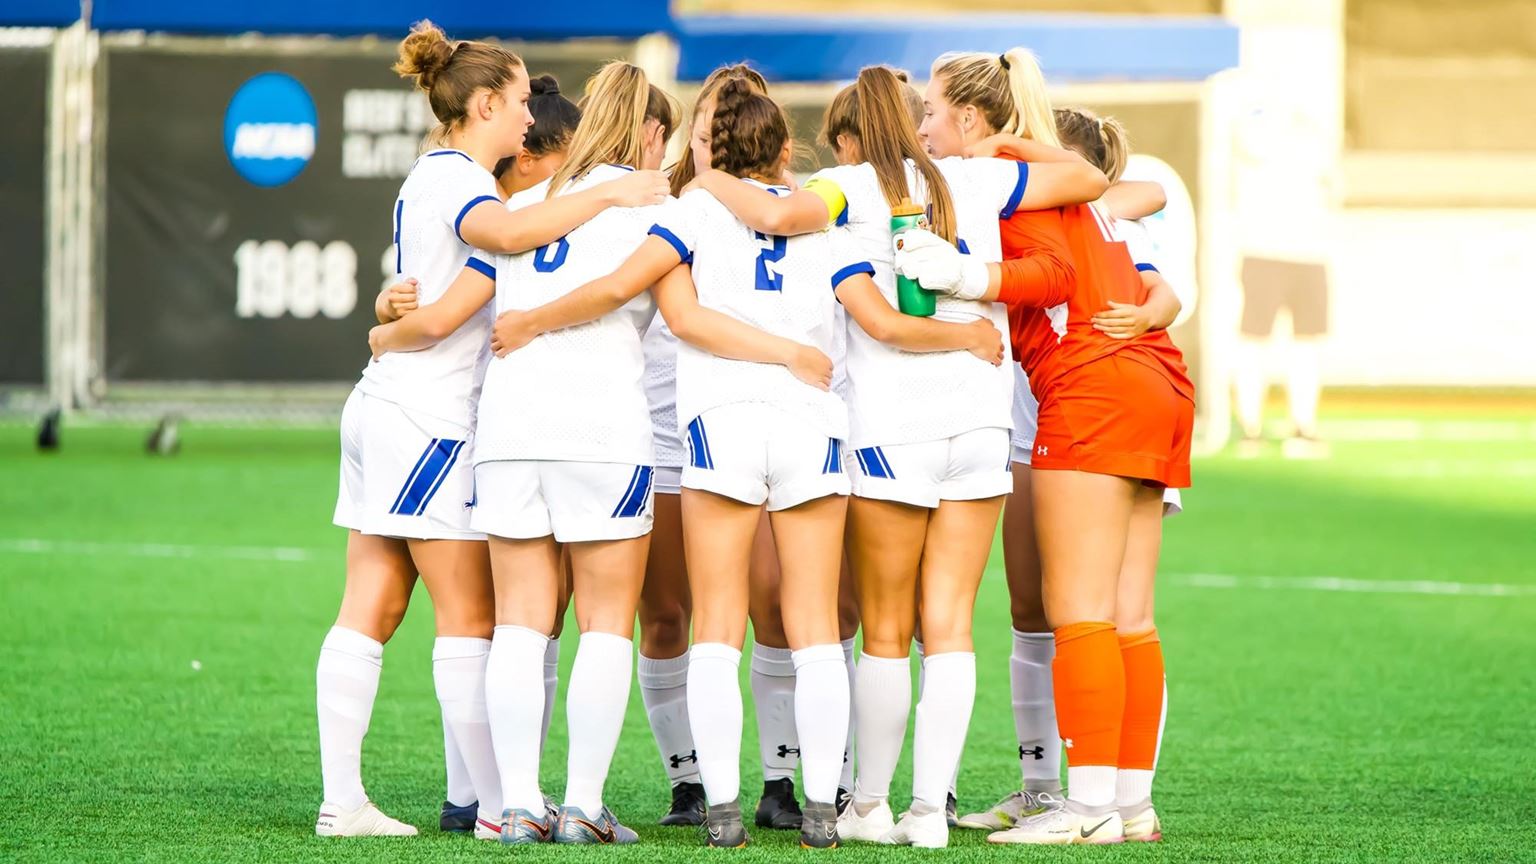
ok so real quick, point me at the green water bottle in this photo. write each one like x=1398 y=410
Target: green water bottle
x=911 y=298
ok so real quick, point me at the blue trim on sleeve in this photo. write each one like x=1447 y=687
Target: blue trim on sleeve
x=677 y=245
x=852 y=270
x=481 y=267
x=474 y=202
x=960 y=244
x=452 y=153
x=1018 y=193
x=842 y=217
x=1142 y=268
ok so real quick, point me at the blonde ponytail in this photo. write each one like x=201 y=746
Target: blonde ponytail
x=1008 y=89
x=618 y=101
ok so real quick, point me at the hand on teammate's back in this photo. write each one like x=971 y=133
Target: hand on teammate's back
x=640 y=189
x=1123 y=320
x=811 y=366
x=989 y=342
x=511 y=331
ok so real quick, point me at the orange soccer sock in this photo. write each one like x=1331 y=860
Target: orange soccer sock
x=1089 y=682
x=1142 y=724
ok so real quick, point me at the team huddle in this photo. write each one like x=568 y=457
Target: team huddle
x=709 y=397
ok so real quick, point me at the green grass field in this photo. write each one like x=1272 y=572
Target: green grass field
x=157 y=663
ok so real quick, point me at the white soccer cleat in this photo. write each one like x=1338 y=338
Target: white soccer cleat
x=365 y=821
x=871 y=827
x=1144 y=826
x=487 y=829
x=929 y=831
x=1074 y=823
x=1006 y=813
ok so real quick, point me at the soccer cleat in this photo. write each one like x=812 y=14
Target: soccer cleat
x=1073 y=823
x=844 y=798
x=869 y=827
x=578 y=828
x=778 y=808
x=458 y=820
x=928 y=831
x=723 y=828
x=950 y=807
x=486 y=829
x=688 y=805
x=521 y=828
x=818 y=827
x=365 y=821
x=1006 y=813
x=1141 y=823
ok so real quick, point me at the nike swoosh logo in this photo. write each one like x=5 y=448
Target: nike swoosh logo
x=1089 y=832
x=715 y=833
x=541 y=830
x=606 y=836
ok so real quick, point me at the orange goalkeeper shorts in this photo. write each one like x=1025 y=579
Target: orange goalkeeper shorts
x=1117 y=416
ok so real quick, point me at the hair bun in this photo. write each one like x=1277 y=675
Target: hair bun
x=544 y=85
x=424 y=54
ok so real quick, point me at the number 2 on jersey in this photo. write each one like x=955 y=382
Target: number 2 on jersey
x=772 y=253
x=547 y=261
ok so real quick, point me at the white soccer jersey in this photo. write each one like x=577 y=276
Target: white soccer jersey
x=573 y=395
x=780 y=285
x=900 y=397
x=443 y=380
x=660 y=347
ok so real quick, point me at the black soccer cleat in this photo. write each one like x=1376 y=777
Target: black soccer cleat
x=818 y=826
x=458 y=820
x=48 y=431
x=844 y=798
x=778 y=808
x=950 y=807
x=687 y=805
x=723 y=828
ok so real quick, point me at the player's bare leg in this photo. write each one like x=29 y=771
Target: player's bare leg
x=773 y=688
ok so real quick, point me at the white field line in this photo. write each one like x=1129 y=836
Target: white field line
x=299 y=555
x=286 y=554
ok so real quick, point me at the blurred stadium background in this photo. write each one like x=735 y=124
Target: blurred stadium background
x=1346 y=634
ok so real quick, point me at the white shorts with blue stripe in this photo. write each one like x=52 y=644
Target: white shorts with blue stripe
x=757 y=453
x=966 y=467
x=404 y=473
x=578 y=502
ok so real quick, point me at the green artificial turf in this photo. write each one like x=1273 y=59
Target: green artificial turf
x=157 y=702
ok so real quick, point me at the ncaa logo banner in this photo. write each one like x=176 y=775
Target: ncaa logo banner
x=270 y=129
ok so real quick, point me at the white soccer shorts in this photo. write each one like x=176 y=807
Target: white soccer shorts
x=966 y=467
x=404 y=473
x=757 y=453
x=668 y=480
x=1026 y=417
x=578 y=502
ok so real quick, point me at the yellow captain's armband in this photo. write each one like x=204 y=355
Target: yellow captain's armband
x=831 y=193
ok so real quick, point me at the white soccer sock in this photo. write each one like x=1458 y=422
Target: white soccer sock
x=1132 y=785
x=845 y=781
x=821 y=718
x=943 y=716
x=664 y=690
x=460 y=789
x=773 y=695
x=882 y=697
x=458 y=671
x=514 y=702
x=551 y=684
x=1303 y=386
x=1250 y=381
x=1034 y=711
x=594 y=713
x=1092 y=785
x=922 y=676
x=346 y=680
x=713 y=700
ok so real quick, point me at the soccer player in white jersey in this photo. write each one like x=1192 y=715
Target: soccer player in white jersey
x=406 y=434
x=544 y=150
x=565 y=458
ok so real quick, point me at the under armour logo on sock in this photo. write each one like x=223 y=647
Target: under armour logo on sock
x=677 y=761
x=1037 y=752
x=785 y=750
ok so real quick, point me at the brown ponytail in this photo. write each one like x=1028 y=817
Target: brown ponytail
x=874 y=111
x=452 y=72
x=683 y=172
x=618 y=101
x=748 y=133
x=1102 y=141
